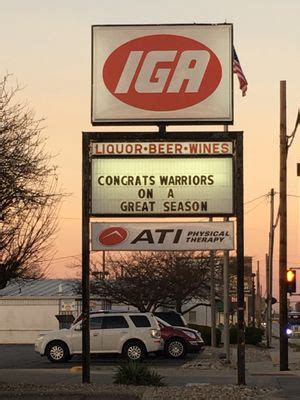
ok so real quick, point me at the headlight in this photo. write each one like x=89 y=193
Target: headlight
x=190 y=334
x=289 y=331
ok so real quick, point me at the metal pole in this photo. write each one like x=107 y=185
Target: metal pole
x=283 y=316
x=270 y=260
x=103 y=264
x=212 y=299
x=240 y=261
x=226 y=294
x=85 y=262
x=253 y=298
x=226 y=302
x=258 y=291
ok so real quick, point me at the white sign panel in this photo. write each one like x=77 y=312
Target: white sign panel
x=163 y=236
x=162 y=186
x=161 y=148
x=147 y=73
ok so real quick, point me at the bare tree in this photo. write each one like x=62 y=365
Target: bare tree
x=30 y=196
x=148 y=280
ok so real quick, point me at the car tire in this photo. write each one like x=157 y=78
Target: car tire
x=134 y=351
x=57 y=352
x=175 y=348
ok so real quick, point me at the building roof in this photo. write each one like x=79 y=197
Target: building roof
x=44 y=287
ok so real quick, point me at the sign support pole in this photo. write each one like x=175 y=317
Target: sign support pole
x=85 y=261
x=226 y=302
x=240 y=261
x=226 y=294
x=212 y=298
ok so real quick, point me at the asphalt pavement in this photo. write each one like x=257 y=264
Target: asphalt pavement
x=20 y=364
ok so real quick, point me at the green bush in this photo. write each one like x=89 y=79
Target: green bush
x=206 y=333
x=134 y=373
x=253 y=335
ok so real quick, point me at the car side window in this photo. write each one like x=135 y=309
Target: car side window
x=114 y=322
x=140 y=321
x=96 y=323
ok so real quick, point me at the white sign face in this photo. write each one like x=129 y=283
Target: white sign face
x=148 y=73
x=162 y=186
x=161 y=148
x=163 y=236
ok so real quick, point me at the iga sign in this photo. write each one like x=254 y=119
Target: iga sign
x=162 y=73
x=163 y=236
x=161 y=186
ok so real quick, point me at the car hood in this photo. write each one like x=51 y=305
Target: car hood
x=184 y=328
x=57 y=332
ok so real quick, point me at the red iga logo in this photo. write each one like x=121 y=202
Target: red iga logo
x=162 y=72
x=112 y=236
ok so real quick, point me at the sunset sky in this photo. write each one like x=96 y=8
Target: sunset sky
x=46 y=45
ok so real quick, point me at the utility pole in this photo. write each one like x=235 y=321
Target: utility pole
x=267 y=297
x=283 y=312
x=270 y=269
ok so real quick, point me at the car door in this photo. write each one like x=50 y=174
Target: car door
x=76 y=338
x=96 y=334
x=115 y=331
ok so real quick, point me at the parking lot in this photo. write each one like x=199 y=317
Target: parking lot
x=23 y=356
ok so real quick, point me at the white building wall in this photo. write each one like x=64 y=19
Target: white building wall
x=21 y=319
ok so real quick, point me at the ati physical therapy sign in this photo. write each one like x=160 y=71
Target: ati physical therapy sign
x=162 y=179
x=147 y=73
x=163 y=236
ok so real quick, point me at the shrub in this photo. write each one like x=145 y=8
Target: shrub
x=253 y=335
x=206 y=333
x=233 y=335
x=134 y=373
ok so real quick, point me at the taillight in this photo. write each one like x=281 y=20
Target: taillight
x=155 y=333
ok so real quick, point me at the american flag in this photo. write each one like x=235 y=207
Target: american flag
x=237 y=69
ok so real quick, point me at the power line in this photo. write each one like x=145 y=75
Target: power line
x=63 y=258
x=256 y=198
x=253 y=208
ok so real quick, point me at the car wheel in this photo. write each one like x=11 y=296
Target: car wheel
x=134 y=351
x=175 y=348
x=57 y=352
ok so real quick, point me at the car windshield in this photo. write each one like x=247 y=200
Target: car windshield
x=161 y=322
x=172 y=318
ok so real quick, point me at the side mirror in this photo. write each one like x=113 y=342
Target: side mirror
x=78 y=328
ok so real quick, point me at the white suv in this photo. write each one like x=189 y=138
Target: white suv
x=131 y=334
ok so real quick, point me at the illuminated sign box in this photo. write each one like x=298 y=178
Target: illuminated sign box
x=169 y=73
x=161 y=186
x=155 y=236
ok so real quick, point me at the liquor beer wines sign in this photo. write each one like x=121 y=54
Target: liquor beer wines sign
x=169 y=73
x=147 y=179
